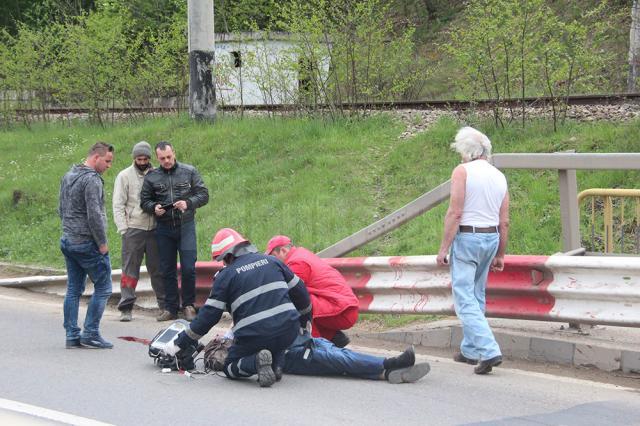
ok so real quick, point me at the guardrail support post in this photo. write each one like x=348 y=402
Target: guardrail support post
x=569 y=209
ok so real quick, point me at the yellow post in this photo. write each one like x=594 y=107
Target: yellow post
x=608 y=225
x=607 y=195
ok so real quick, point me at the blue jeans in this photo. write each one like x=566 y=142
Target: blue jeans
x=84 y=259
x=323 y=358
x=171 y=241
x=471 y=257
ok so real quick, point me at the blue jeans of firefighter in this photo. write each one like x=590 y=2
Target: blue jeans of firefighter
x=174 y=240
x=241 y=359
x=471 y=257
x=320 y=357
x=84 y=259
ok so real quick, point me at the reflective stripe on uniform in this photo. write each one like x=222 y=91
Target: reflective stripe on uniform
x=294 y=281
x=216 y=304
x=306 y=310
x=256 y=292
x=192 y=335
x=264 y=314
x=240 y=370
x=230 y=372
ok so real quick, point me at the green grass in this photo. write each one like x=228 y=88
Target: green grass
x=315 y=181
x=386 y=321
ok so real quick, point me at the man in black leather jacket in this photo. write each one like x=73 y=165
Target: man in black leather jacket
x=173 y=192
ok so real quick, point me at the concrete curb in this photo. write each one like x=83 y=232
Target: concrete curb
x=574 y=350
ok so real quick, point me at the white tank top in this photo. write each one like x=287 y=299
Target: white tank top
x=485 y=189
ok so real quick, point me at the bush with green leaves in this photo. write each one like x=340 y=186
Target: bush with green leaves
x=368 y=58
x=517 y=48
x=94 y=62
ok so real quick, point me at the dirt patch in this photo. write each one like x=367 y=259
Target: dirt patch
x=9 y=270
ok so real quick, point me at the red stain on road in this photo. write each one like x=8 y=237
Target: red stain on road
x=135 y=339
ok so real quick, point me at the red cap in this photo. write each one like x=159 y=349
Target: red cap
x=277 y=241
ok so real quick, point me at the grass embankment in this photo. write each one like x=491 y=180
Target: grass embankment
x=317 y=182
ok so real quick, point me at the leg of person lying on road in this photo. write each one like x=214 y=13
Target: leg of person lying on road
x=320 y=357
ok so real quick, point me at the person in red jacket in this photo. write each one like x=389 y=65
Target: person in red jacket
x=335 y=307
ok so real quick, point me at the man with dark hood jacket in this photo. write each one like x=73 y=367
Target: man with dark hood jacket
x=84 y=245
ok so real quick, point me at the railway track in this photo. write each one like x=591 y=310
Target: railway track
x=456 y=105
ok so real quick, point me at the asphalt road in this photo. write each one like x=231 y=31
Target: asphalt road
x=122 y=386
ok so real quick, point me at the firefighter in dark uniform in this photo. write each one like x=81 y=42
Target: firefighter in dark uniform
x=267 y=301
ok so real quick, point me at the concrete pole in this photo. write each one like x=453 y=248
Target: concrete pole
x=569 y=212
x=202 y=95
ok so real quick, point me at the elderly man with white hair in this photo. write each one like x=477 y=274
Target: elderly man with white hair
x=475 y=230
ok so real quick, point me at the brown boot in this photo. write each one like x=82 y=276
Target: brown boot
x=190 y=313
x=166 y=316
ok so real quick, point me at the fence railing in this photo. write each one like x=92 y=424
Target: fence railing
x=578 y=289
x=613 y=220
x=566 y=163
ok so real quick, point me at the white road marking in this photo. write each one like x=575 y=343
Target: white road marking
x=45 y=413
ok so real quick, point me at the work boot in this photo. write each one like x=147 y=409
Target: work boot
x=458 y=357
x=340 y=339
x=408 y=374
x=189 y=313
x=166 y=316
x=125 y=316
x=278 y=372
x=487 y=365
x=266 y=376
x=405 y=359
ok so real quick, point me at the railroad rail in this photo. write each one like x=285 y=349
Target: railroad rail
x=451 y=104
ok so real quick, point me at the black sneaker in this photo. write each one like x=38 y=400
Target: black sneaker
x=266 y=376
x=73 y=343
x=487 y=365
x=95 y=342
x=404 y=360
x=458 y=357
x=340 y=339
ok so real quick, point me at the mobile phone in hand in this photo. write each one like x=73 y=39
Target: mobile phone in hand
x=167 y=206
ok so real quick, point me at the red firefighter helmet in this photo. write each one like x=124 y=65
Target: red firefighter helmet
x=224 y=241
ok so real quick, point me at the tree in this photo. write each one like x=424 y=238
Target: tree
x=94 y=65
x=350 y=51
x=30 y=69
x=496 y=38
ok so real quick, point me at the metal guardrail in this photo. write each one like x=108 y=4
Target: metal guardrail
x=57 y=285
x=577 y=289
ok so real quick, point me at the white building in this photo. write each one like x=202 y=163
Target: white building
x=261 y=69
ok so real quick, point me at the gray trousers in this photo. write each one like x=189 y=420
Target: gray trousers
x=138 y=244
